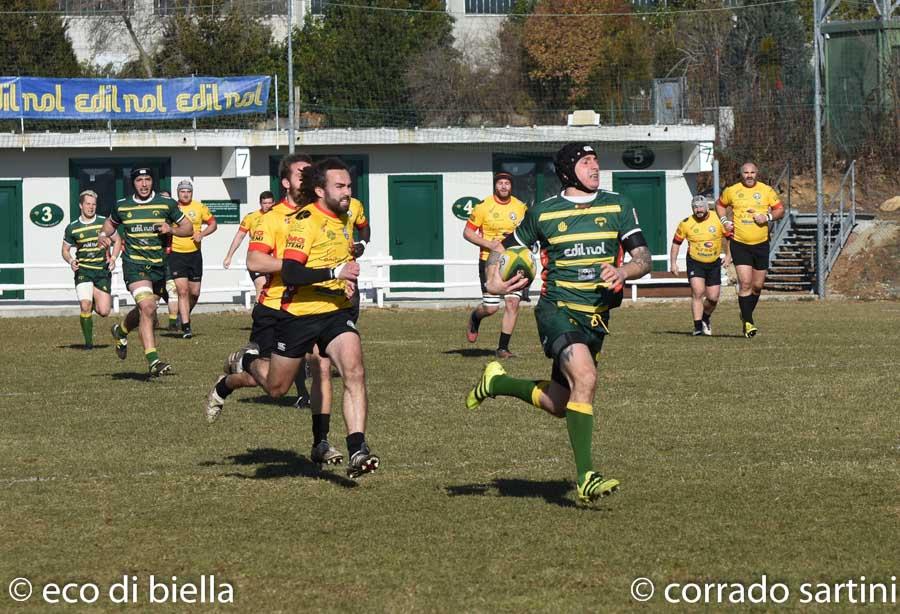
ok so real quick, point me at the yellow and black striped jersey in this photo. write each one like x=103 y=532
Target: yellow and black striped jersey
x=745 y=203
x=704 y=237
x=496 y=220
x=318 y=239
x=199 y=214
x=269 y=237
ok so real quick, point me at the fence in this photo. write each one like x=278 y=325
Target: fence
x=377 y=286
x=837 y=220
x=779 y=230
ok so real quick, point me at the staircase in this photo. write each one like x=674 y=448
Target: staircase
x=792 y=262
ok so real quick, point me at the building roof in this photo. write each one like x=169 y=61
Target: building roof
x=357 y=137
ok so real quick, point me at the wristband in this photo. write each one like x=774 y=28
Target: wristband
x=769 y=217
x=363 y=242
x=724 y=219
x=336 y=271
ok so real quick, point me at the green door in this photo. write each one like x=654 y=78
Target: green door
x=11 y=236
x=359 y=173
x=110 y=178
x=647 y=192
x=415 y=215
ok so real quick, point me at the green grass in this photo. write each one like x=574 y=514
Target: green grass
x=777 y=456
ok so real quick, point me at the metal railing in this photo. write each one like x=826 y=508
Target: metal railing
x=779 y=229
x=838 y=220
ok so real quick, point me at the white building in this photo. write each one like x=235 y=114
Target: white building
x=105 y=41
x=409 y=179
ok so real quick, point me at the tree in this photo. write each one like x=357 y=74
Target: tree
x=233 y=43
x=352 y=64
x=35 y=43
x=575 y=58
x=481 y=85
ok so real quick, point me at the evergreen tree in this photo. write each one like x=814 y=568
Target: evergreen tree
x=35 y=42
x=351 y=65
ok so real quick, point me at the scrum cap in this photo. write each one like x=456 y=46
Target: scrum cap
x=140 y=171
x=700 y=202
x=566 y=159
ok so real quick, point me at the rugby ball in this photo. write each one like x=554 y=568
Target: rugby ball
x=516 y=259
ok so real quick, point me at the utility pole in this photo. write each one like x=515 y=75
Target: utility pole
x=818 y=14
x=290 y=75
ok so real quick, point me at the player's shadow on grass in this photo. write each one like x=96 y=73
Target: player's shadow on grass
x=131 y=375
x=687 y=333
x=285 y=401
x=80 y=346
x=471 y=352
x=276 y=464
x=557 y=492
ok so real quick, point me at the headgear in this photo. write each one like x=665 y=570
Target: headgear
x=139 y=171
x=566 y=159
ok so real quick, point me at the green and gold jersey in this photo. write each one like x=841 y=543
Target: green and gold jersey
x=576 y=238
x=143 y=245
x=83 y=237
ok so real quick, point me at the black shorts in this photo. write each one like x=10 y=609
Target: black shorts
x=187 y=265
x=710 y=272
x=265 y=323
x=296 y=337
x=756 y=256
x=354 y=306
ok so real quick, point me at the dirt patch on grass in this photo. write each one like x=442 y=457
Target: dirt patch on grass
x=869 y=266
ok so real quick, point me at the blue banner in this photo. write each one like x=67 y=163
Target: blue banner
x=40 y=98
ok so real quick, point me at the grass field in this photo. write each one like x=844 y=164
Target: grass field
x=738 y=458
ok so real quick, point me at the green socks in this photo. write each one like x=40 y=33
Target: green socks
x=87 y=328
x=580 y=424
x=506 y=386
x=152 y=356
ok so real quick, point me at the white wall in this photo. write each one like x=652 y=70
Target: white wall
x=466 y=171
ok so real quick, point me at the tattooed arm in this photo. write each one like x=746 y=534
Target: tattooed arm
x=638 y=267
x=496 y=285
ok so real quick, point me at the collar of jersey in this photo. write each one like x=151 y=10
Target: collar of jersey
x=84 y=221
x=579 y=200
x=325 y=210
x=288 y=205
x=144 y=202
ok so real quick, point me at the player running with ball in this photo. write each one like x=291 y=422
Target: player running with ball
x=579 y=233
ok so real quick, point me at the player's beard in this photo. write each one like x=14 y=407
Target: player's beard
x=296 y=194
x=338 y=205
